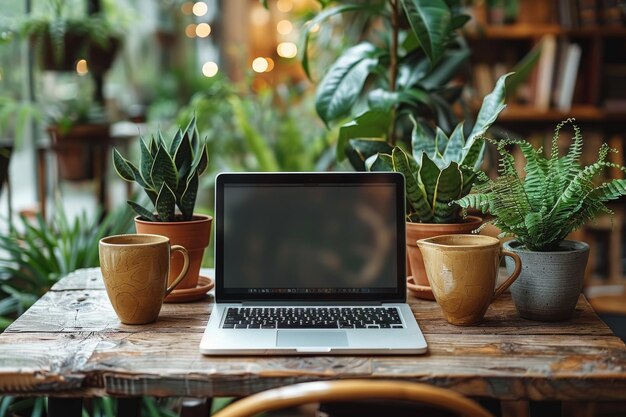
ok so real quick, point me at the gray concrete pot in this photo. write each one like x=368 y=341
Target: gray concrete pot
x=550 y=283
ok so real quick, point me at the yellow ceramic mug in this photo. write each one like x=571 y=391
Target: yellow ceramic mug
x=135 y=269
x=462 y=271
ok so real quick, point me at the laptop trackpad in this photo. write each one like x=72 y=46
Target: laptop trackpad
x=303 y=338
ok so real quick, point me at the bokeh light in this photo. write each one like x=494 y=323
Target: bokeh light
x=190 y=30
x=210 y=69
x=287 y=49
x=259 y=16
x=270 y=64
x=187 y=8
x=203 y=30
x=200 y=8
x=284 y=27
x=260 y=64
x=284 y=6
x=81 y=67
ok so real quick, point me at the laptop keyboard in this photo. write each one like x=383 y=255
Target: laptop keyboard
x=312 y=318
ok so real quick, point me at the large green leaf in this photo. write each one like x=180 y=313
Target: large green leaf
x=455 y=144
x=446 y=69
x=492 y=105
x=380 y=162
x=142 y=211
x=325 y=14
x=360 y=150
x=342 y=84
x=370 y=124
x=430 y=20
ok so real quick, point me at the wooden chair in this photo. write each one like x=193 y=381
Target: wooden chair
x=352 y=390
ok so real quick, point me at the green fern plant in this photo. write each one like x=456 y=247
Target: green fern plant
x=167 y=173
x=556 y=197
x=441 y=169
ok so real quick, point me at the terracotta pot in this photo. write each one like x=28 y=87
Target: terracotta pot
x=417 y=231
x=80 y=150
x=192 y=235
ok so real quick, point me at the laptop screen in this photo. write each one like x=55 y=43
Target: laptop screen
x=310 y=236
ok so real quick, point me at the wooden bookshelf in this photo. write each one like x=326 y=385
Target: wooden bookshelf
x=592 y=90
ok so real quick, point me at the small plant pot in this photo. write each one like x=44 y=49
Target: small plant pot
x=550 y=283
x=192 y=235
x=418 y=231
x=79 y=148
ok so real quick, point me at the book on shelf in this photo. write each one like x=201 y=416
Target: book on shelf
x=545 y=72
x=567 y=75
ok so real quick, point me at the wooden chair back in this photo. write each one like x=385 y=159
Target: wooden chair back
x=352 y=390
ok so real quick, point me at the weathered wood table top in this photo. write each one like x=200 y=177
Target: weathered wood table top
x=70 y=343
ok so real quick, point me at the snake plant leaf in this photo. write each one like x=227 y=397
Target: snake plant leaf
x=446 y=69
x=428 y=174
x=166 y=204
x=415 y=192
x=176 y=141
x=183 y=157
x=422 y=139
x=188 y=198
x=341 y=86
x=325 y=14
x=163 y=171
x=145 y=163
x=141 y=211
x=492 y=106
x=360 y=150
x=430 y=20
x=441 y=142
x=122 y=166
x=448 y=189
x=381 y=162
x=203 y=160
x=369 y=124
x=455 y=145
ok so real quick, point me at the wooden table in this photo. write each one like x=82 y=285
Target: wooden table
x=71 y=344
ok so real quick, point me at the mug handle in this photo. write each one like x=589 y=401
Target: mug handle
x=183 y=251
x=506 y=284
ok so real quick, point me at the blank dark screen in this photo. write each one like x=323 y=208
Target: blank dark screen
x=307 y=238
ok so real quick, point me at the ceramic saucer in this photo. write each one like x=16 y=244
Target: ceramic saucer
x=191 y=294
x=420 y=291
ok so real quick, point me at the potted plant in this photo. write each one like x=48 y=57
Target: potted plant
x=62 y=40
x=440 y=170
x=169 y=176
x=80 y=137
x=556 y=197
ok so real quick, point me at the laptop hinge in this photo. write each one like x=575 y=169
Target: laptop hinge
x=310 y=303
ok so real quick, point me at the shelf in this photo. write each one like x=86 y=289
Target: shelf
x=526 y=31
x=583 y=114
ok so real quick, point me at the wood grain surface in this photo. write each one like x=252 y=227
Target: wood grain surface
x=71 y=343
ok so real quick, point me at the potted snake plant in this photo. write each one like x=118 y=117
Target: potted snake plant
x=556 y=196
x=440 y=170
x=169 y=176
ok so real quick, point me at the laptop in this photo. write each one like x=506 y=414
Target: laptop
x=310 y=263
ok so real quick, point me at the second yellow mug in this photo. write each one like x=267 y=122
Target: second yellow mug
x=462 y=271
